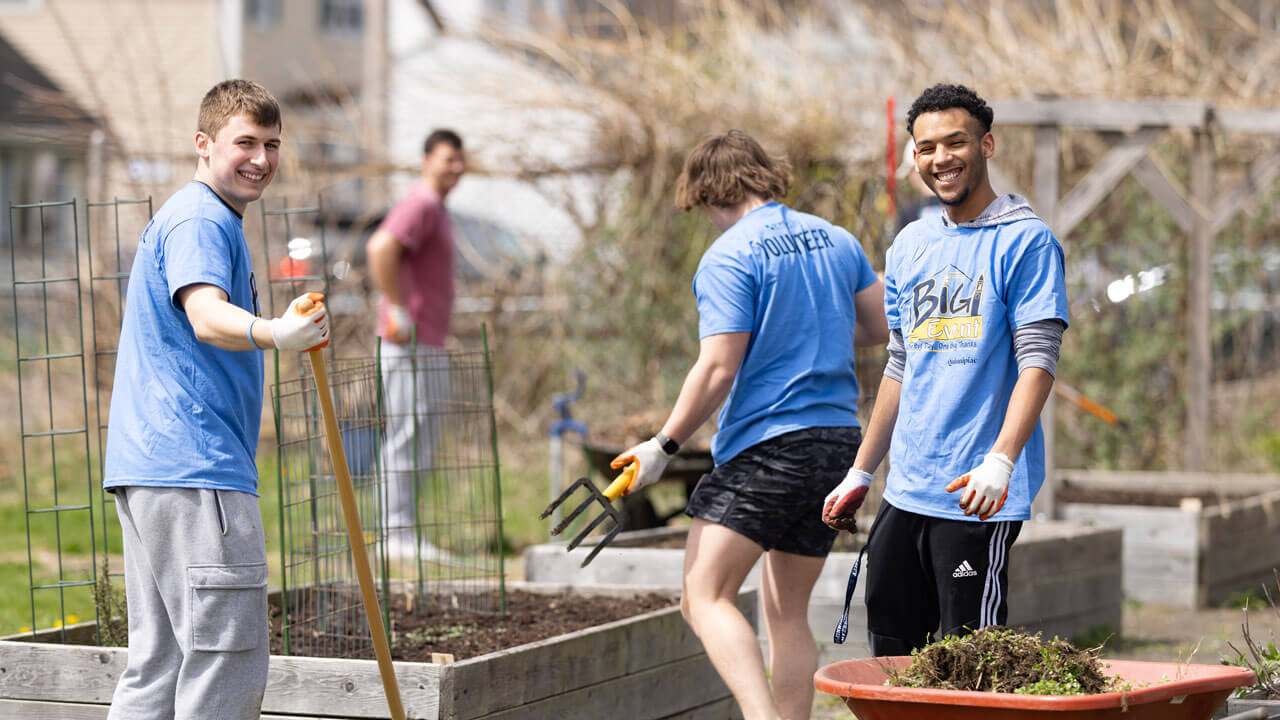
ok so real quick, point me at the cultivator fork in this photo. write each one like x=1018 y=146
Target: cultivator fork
x=605 y=499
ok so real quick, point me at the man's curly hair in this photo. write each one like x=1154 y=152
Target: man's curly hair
x=944 y=97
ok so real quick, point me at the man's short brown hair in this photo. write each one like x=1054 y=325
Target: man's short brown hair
x=723 y=169
x=232 y=97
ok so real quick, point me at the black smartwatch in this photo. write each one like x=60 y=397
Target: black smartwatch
x=669 y=446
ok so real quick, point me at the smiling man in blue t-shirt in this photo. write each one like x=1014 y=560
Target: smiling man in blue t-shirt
x=183 y=429
x=976 y=302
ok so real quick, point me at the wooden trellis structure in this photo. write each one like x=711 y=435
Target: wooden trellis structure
x=1201 y=211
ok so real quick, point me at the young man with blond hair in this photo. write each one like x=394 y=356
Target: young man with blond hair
x=183 y=430
x=783 y=297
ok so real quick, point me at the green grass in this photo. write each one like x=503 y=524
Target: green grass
x=524 y=494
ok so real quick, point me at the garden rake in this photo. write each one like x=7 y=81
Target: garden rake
x=351 y=514
x=616 y=489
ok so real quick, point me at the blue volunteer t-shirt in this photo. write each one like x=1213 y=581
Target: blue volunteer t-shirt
x=185 y=413
x=787 y=278
x=956 y=293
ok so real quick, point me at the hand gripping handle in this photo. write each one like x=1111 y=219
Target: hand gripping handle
x=310 y=305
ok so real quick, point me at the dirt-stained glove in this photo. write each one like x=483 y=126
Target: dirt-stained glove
x=987 y=486
x=399 y=326
x=845 y=499
x=650 y=460
x=304 y=326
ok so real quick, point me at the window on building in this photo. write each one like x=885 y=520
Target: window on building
x=341 y=16
x=20 y=6
x=262 y=13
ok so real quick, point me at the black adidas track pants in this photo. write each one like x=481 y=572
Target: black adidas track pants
x=926 y=573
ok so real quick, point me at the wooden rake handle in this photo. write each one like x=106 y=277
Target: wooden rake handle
x=351 y=514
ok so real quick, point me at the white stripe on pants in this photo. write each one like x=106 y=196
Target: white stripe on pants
x=196 y=583
x=991 y=592
x=414 y=406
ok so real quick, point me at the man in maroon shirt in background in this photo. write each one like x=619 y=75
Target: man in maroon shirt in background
x=411 y=262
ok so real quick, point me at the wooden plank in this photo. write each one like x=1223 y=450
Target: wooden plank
x=1199 y=342
x=587 y=657
x=334 y=687
x=1163 y=527
x=1065 y=600
x=655 y=693
x=1255 y=121
x=35 y=710
x=320 y=686
x=1173 y=482
x=1245 y=194
x=1046 y=180
x=81 y=633
x=1102 y=179
x=1165 y=190
x=1103 y=115
x=67 y=673
x=723 y=709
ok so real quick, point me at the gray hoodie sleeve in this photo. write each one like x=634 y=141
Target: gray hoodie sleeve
x=897 y=356
x=1037 y=345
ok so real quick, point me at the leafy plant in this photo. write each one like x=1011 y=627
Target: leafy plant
x=1263 y=658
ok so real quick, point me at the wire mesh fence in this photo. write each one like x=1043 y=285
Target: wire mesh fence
x=322 y=612
x=418 y=434
x=52 y=411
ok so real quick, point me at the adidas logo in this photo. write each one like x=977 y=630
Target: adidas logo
x=964 y=569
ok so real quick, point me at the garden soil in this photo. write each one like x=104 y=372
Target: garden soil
x=530 y=617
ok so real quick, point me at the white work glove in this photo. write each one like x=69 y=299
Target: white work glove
x=842 y=502
x=650 y=460
x=304 y=326
x=399 y=326
x=987 y=486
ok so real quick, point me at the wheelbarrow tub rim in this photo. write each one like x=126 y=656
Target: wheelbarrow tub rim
x=864 y=680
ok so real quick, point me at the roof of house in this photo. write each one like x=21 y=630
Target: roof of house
x=33 y=109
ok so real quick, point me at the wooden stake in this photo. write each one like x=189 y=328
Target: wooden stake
x=351 y=514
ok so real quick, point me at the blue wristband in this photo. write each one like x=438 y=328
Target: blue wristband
x=248 y=332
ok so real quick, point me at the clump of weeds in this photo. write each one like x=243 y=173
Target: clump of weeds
x=998 y=659
x=112 y=610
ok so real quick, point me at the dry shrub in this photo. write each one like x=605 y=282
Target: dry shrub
x=810 y=80
x=998 y=659
x=647 y=94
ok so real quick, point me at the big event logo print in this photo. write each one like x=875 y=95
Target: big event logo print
x=945 y=311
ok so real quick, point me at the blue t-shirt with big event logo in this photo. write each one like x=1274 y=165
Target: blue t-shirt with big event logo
x=787 y=278
x=956 y=293
x=185 y=413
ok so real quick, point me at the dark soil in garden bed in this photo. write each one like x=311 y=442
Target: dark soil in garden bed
x=464 y=634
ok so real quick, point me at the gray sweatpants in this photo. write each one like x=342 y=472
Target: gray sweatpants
x=416 y=387
x=195 y=569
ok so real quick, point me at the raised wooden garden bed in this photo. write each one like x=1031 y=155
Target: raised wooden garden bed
x=1064 y=579
x=646 y=667
x=1190 y=539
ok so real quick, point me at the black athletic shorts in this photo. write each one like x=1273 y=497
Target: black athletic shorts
x=928 y=575
x=772 y=492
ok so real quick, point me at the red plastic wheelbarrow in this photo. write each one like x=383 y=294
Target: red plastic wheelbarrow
x=1168 y=691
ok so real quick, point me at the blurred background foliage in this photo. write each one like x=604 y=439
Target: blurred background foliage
x=810 y=80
